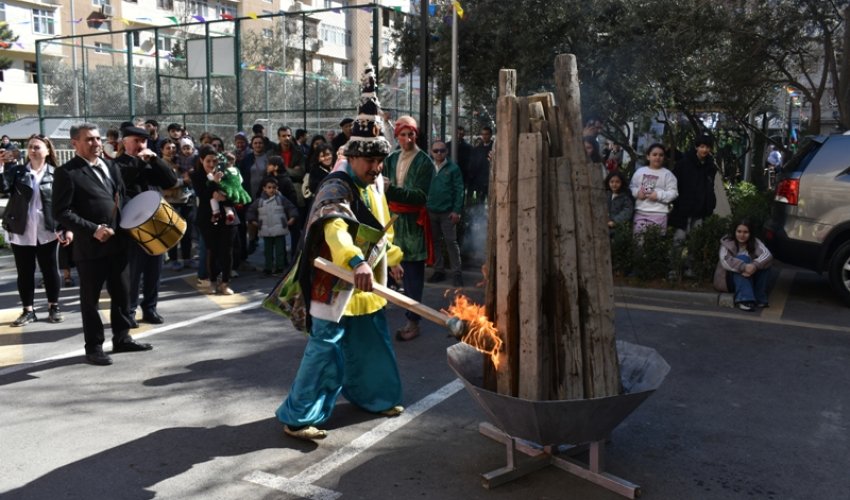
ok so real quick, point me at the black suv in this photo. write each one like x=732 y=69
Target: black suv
x=809 y=225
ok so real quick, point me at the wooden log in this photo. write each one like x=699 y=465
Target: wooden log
x=380 y=290
x=507 y=120
x=534 y=375
x=561 y=284
x=524 y=122
x=507 y=84
x=595 y=283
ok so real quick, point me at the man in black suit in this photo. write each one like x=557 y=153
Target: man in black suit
x=87 y=196
x=142 y=170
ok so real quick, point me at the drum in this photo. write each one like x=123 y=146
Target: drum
x=152 y=222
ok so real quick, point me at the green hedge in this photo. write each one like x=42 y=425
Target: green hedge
x=653 y=256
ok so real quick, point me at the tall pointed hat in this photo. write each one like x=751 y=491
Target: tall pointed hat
x=366 y=138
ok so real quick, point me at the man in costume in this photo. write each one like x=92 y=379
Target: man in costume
x=349 y=349
x=408 y=180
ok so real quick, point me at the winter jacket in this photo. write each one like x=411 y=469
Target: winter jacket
x=621 y=208
x=16 y=183
x=272 y=214
x=446 y=192
x=729 y=262
x=696 y=189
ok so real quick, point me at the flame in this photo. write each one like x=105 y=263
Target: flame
x=480 y=331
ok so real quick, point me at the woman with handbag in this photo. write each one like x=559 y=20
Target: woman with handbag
x=33 y=234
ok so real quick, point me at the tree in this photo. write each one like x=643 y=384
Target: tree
x=807 y=42
x=7 y=38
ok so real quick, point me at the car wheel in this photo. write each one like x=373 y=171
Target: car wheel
x=839 y=271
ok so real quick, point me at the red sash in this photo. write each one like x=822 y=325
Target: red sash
x=423 y=220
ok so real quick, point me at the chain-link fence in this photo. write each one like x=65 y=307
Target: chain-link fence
x=299 y=69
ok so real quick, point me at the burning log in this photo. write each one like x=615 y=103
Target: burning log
x=551 y=236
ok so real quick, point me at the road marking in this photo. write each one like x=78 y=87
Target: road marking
x=779 y=294
x=731 y=315
x=136 y=336
x=302 y=483
x=11 y=345
x=223 y=301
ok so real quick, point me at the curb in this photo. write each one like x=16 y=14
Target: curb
x=716 y=299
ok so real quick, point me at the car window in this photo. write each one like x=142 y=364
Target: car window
x=801 y=160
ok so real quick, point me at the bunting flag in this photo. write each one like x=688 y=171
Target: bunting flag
x=458 y=8
x=173 y=19
x=397 y=9
x=199 y=19
x=76 y=21
x=252 y=15
x=125 y=21
x=225 y=15
x=19 y=45
x=432 y=10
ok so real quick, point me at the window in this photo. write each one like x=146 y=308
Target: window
x=31 y=71
x=42 y=22
x=335 y=35
x=3 y=12
x=102 y=48
x=165 y=4
x=136 y=39
x=164 y=43
x=341 y=69
x=198 y=8
x=267 y=33
x=105 y=25
x=226 y=9
x=99 y=3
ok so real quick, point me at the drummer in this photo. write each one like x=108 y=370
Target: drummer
x=142 y=170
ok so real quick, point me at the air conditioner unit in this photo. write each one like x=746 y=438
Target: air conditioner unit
x=106 y=10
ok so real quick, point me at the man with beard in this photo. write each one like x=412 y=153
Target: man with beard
x=349 y=350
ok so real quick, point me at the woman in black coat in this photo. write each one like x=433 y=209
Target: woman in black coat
x=33 y=233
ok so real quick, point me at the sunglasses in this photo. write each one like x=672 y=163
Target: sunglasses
x=435 y=151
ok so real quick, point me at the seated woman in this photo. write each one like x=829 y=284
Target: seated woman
x=743 y=267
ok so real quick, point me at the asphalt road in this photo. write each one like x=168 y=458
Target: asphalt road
x=753 y=407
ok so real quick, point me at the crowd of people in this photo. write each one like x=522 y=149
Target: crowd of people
x=681 y=199
x=65 y=216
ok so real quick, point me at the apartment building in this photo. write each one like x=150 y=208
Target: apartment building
x=328 y=35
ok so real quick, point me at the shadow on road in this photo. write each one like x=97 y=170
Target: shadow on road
x=127 y=471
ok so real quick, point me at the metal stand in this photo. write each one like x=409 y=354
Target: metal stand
x=542 y=456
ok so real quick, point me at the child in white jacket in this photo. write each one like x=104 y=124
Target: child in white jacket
x=654 y=188
x=272 y=214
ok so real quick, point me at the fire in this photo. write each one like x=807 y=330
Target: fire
x=480 y=331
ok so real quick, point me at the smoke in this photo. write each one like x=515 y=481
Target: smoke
x=474 y=243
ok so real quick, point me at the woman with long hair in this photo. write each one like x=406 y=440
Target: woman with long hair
x=33 y=234
x=743 y=266
x=217 y=231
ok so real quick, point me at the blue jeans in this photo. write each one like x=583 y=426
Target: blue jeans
x=752 y=289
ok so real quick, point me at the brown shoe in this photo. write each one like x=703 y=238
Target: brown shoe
x=409 y=332
x=223 y=289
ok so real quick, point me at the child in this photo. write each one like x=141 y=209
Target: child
x=621 y=205
x=743 y=267
x=654 y=187
x=271 y=214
